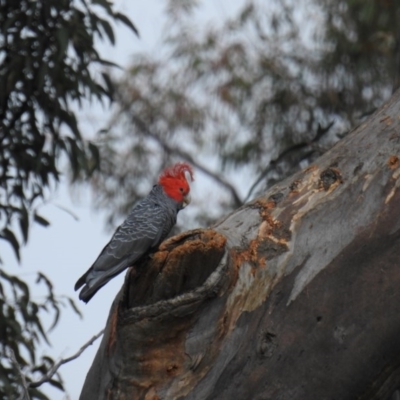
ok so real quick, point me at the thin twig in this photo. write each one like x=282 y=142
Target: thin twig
x=25 y=385
x=56 y=366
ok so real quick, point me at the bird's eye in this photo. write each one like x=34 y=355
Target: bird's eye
x=181 y=189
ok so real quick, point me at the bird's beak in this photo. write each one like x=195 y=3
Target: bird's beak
x=186 y=200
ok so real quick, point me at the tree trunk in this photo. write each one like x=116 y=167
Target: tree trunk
x=295 y=295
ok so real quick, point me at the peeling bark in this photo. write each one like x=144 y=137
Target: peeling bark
x=293 y=296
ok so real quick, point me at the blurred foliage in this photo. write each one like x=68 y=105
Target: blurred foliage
x=47 y=55
x=247 y=101
x=22 y=330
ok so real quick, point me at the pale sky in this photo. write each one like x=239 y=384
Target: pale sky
x=66 y=249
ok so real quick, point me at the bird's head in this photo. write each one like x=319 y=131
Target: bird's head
x=174 y=181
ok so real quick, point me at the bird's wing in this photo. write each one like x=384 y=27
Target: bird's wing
x=107 y=265
x=141 y=231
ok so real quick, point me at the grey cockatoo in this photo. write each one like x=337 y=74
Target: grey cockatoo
x=146 y=226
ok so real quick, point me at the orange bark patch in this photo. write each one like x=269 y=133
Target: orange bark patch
x=393 y=162
x=209 y=240
x=174 y=241
x=269 y=224
x=272 y=240
x=270 y=228
x=250 y=254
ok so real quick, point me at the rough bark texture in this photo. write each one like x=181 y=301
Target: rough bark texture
x=296 y=295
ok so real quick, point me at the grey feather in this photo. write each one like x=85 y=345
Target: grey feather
x=146 y=226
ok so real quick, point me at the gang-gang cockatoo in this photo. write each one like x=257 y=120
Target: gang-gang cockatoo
x=146 y=226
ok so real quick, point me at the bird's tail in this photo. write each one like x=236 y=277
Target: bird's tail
x=81 y=281
x=91 y=285
x=88 y=292
x=95 y=280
